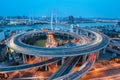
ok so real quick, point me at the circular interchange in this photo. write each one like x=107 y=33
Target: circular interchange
x=65 y=36
x=100 y=41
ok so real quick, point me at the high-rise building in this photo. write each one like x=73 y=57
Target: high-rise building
x=2 y=35
x=70 y=20
x=118 y=23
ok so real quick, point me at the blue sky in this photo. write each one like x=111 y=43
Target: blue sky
x=85 y=8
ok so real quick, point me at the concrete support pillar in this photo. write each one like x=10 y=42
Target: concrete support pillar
x=84 y=58
x=97 y=56
x=46 y=68
x=71 y=29
x=91 y=35
x=63 y=59
x=104 y=50
x=20 y=75
x=86 y=34
x=29 y=57
x=24 y=58
x=7 y=49
x=40 y=59
x=77 y=31
x=56 y=64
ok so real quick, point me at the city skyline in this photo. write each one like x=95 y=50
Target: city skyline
x=86 y=8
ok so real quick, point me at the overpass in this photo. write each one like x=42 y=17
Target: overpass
x=81 y=71
x=113 y=50
x=100 y=42
x=66 y=67
x=28 y=66
x=84 y=68
x=115 y=43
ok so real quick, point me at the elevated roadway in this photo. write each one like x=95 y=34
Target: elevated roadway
x=100 y=42
x=65 y=68
x=81 y=71
x=28 y=66
x=113 y=50
x=115 y=43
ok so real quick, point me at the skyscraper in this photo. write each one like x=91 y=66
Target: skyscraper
x=70 y=20
x=118 y=23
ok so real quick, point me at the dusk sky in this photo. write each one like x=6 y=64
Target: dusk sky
x=85 y=8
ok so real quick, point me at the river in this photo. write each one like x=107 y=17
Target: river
x=13 y=28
